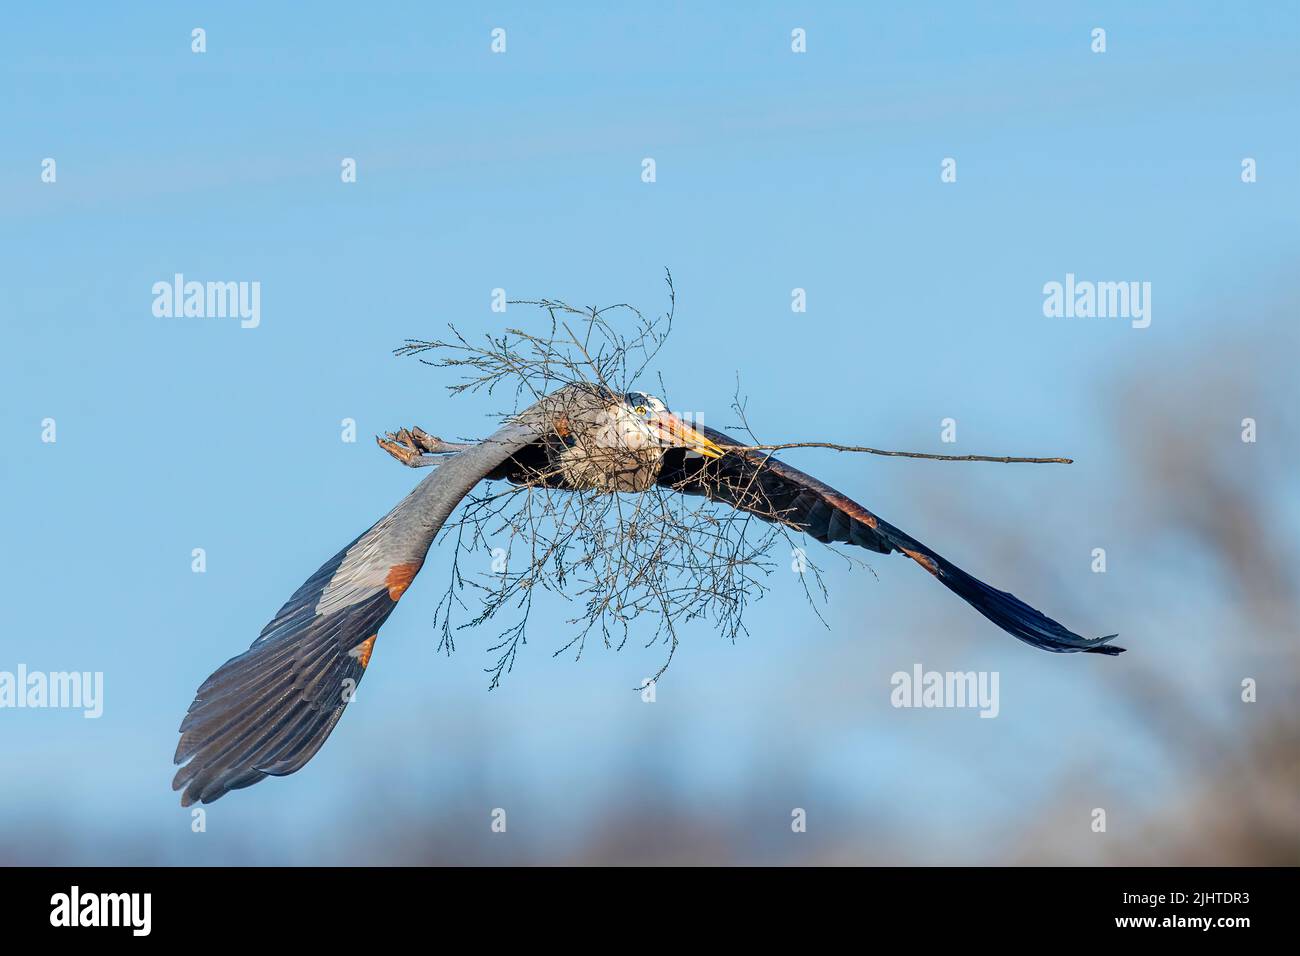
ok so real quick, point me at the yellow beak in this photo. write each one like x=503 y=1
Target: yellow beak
x=682 y=435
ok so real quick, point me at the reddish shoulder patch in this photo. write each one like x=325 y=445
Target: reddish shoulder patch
x=923 y=560
x=855 y=510
x=363 y=650
x=400 y=577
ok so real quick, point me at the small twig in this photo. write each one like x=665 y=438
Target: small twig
x=900 y=454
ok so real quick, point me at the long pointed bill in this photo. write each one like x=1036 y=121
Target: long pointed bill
x=681 y=435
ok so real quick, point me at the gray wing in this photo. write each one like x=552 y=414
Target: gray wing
x=267 y=711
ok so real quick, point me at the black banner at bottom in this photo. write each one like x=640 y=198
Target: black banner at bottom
x=336 y=905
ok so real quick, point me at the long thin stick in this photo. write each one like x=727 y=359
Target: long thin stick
x=900 y=454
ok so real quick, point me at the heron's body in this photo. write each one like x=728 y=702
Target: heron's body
x=604 y=450
x=267 y=711
x=584 y=471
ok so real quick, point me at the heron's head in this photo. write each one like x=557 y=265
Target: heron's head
x=649 y=423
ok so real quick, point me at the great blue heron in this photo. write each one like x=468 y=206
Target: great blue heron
x=269 y=710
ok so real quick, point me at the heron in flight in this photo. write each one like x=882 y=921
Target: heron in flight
x=268 y=711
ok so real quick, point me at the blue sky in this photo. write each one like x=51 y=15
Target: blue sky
x=522 y=171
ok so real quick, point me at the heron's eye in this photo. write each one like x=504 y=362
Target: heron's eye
x=640 y=410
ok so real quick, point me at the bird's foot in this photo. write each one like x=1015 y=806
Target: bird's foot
x=407 y=446
x=414 y=447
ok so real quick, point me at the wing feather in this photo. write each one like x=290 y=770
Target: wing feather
x=774 y=491
x=269 y=710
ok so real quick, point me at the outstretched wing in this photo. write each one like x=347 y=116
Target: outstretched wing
x=267 y=711
x=774 y=491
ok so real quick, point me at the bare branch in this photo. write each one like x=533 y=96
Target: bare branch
x=1006 y=459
